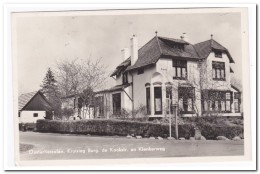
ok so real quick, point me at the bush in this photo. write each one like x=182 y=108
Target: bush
x=111 y=127
x=209 y=129
x=27 y=126
x=67 y=112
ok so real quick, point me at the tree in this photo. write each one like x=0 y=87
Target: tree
x=49 y=86
x=50 y=89
x=80 y=78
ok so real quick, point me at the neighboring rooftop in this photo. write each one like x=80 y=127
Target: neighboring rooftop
x=40 y=102
x=25 y=98
x=204 y=48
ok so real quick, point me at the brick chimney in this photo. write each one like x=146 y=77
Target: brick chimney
x=125 y=53
x=134 y=49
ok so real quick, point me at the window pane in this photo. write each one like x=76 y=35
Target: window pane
x=117 y=103
x=210 y=105
x=228 y=96
x=227 y=105
x=205 y=105
x=181 y=104
x=184 y=72
x=178 y=72
x=216 y=105
x=158 y=100
x=218 y=54
x=158 y=105
x=214 y=73
x=174 y=63
x=223 y=106
x=174 y=72
x=218 y=73
x=236 y=105
x=222 y=74
x=148 y=103
x=189 y=104
x=237 y=95
x=222 y=65
x=100 y=103
x=140 y=71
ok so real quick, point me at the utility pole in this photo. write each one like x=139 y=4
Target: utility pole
x=176 y=123
x=170 y=117
x=175 y=106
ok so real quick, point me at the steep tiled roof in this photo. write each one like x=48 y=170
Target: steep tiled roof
x=204 y=48
x=25 y=101
x=25 y=98
x=115 y=88
x=147 y=55
x=162 y=46
x=159 y=47
x=173 y=40
x=121 y=67
x=168 y=50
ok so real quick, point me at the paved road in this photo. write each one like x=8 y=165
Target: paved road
x=49 y=146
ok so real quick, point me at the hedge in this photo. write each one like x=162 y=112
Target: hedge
x=112 y=127
x=27 y=126
x=125 y=127
x=211 y=131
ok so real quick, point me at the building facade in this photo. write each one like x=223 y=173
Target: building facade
x=33 y=106
x=168 y=71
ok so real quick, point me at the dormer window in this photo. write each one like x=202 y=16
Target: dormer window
x=179 y=46
x=218 y=54
x=140 y=71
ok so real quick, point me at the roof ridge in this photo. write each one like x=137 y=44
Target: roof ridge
x=219 y=44
x=29 y=93
x=201 y=42
x=195 y=50
x=158 y=44
x=171 y=39
x=30 y=99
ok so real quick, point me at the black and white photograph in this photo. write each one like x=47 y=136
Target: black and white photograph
x=130 y=84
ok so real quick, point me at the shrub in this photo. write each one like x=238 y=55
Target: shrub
x=27 y=126
x=111 y=127
x=139 y=114
x=209 y=130
x=67 y=112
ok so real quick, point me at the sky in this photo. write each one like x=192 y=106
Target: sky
x=42 y=40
